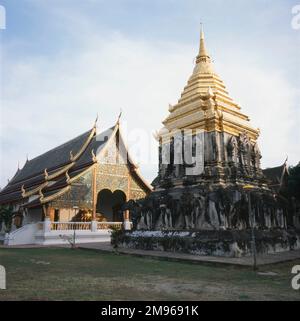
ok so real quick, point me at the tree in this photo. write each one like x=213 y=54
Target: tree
x=6 y=214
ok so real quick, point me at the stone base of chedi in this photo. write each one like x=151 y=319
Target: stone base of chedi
x=203 y=209
x=206 y=130
x=215 y=243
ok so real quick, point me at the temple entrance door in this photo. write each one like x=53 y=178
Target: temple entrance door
x=109 y=204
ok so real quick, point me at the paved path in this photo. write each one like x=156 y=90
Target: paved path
x=243 y=261
x=181 y=257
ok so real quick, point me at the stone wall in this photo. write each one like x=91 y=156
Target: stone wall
x=207 y=208
x=215 y=243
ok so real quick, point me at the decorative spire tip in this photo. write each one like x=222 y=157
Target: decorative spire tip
x=120 y=115
x=96 y=120
x=201 y=31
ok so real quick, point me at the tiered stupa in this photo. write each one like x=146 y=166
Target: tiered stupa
x=208 y=127
x=210 y=196
x=231 y=153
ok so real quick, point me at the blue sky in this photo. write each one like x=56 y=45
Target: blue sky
x=64 y=61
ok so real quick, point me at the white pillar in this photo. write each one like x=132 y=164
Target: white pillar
x=126 y=222
x=94 y=226
x=127 y=225
x=47 y=225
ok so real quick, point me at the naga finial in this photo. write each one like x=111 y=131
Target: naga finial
x=23 y=190
x=71 y=156
x=120 y=115
x=94 y=156
x=96 y=120
x=68 y=177
x=46 y=174
x=41 y=194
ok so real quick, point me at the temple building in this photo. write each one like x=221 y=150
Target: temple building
x=209 y=160
x=87 y=179
x=277 y=177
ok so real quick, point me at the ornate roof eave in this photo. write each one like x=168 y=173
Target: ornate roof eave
x=60 y=172
x=33 y=191
x=47 y=199
x=48 y=178
x=69 y=180
x=67 y=166
x=75 y=157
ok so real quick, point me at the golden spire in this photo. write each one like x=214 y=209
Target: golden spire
x=203 y=54
x=203 y=62
x=207 y=103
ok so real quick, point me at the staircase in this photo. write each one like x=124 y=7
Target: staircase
x=23 y=235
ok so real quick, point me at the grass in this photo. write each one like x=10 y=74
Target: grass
x=65 y=274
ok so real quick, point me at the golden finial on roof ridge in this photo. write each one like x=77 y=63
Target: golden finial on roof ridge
x=71 y=156
x=41 y=194
x=68 y=176
x=94 y=156
x=46 y=173
x=96 y=121
x=119 y=117
x=23 y=190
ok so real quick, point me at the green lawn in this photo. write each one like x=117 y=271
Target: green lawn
x=65 y=274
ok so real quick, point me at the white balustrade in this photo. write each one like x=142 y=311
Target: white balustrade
x=109 y=225
x=84 y=226
x=66 y=226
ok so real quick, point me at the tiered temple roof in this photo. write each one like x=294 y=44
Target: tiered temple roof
x=277 y=177
x=51 y=174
